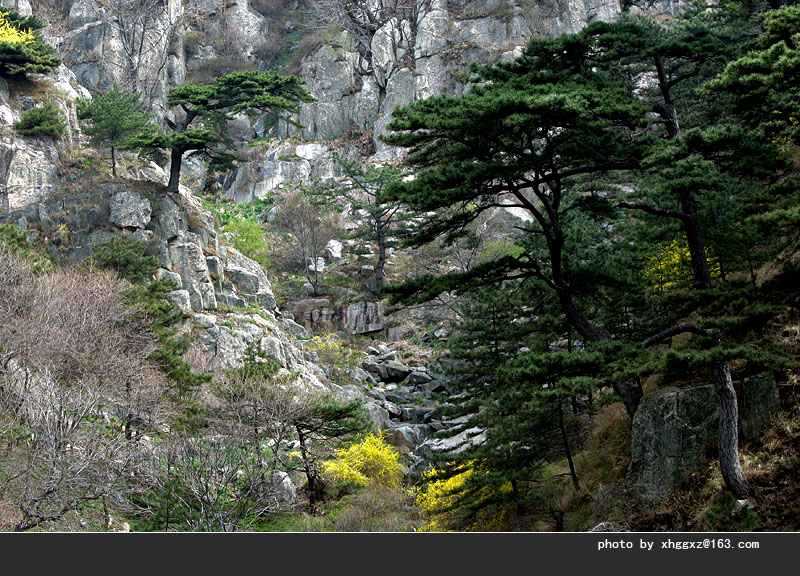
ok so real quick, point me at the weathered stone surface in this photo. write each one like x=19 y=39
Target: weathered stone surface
x=453 y=444
x=408 y=438
x=419 y=377
x=30 y=169
x=204 y=320
x=396 y=371
x=391 y=43
x=316 y=314
x=758 y=400
x=399 y=396
x=215 y=268
x=129 y=210
x=162 y=274
x=256 y=179
x=182 y=300
x=396 y=333
x=189 y=261
x=672 y=429
x=675 y=430
x=21 y=6
x=364 y=317
x=167 y=221
x=415 y=415
x=285 y=490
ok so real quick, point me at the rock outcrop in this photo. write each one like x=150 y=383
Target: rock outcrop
x=675 y=430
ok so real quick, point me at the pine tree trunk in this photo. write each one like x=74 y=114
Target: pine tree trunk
x=694 y=238
x=113 y=162
x=631 y=394
x=729 y=462
x=314 y=490
x=567 y=449
x=176 y=160
x=379 y=275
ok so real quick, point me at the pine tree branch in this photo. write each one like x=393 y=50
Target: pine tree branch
x=674 y=331
x=653 y=210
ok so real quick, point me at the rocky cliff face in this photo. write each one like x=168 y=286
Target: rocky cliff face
x=54 y=192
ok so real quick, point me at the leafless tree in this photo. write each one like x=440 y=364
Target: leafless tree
x=77 y=390
x=307 y=227
x=234 y=474
x=145 y=30
x=361 y=19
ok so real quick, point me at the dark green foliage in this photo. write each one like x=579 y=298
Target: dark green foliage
x=150 y=298
x=14 y=239
x=18 y=59
x=366 y=188
x=113 y=119
x=521 y=381
x=207 y=109
x=763 y=83
x=612 y=170
x=41 y=121
x=526 y=134
x=727 y=515
x=128 y=257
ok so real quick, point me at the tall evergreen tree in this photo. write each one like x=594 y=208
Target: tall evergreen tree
x=114 y=119
x=384 y=221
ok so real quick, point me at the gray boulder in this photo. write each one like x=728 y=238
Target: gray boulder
x=396 y=371
x=181 y=299
x=675 y=430
x=129 y=210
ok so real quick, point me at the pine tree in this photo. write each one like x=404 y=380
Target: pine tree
x=520 y=380
x=23 y=51
x=385 y=222
x=204 y=110
x=114 y=119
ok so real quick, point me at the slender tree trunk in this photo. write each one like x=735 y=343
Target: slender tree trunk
x=729 y=462
x=668 y=112
x=694 y=238
x=567 y=449
x=631 y=394
x=311 y=476
x=379 y=275
x=113 y=162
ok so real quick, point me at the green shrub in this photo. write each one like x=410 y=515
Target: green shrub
x=126 y=256
x=151 y=300
x=726 y=515
x=41 y=121
x=14 y=239
x=248 y=238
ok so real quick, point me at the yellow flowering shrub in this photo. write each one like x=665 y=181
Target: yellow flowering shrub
x=671 y=266
x=369 y=462
x=439 y=496
x=11 y=34
x=437 y=501
x=332 y=351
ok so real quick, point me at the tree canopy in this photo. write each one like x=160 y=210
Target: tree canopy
x=203 y=110
x=618 y=141
x=23 y=51
x=114 y=119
